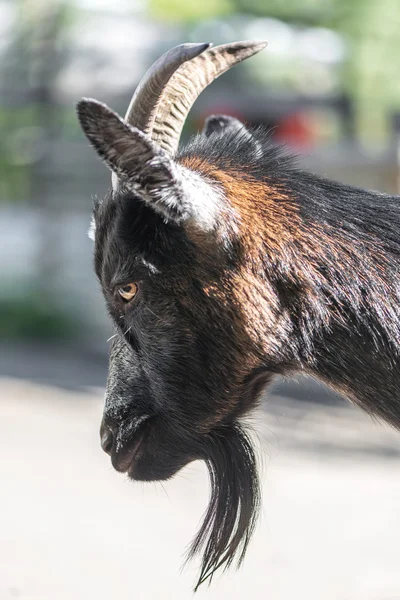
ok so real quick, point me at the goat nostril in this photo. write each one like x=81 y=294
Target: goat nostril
x=107 y=439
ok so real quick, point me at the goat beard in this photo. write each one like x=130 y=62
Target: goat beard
x=234 y=502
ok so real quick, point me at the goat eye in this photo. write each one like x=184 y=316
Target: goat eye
x=128 y=292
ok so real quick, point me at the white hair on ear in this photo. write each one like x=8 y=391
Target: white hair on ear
x=205 y=196
x=114 y=181
x=92 y=229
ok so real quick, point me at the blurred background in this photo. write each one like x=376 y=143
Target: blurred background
x=328 y=86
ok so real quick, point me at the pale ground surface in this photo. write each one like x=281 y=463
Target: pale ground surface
x=73 y=529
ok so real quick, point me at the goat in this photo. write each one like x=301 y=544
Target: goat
x=223 y=264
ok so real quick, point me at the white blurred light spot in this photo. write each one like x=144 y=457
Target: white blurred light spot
x=322 y=45
x=280 y=37
x=121 y=7
x=7 y=20
x=217 y=30
x=109 y=53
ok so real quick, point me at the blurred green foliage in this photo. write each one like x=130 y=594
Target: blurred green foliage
x=371 y=73
x=34 y=319
x=369 y=27
x=306 y=11
x=173 y=10
x=310 y=12
x=15 y=170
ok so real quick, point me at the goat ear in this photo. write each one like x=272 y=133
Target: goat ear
x=224 y=124
x=139 y=164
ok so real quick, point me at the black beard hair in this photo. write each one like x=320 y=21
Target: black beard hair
x=234 y=503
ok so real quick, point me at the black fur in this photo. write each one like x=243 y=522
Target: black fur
x=187 y=356
x=140 y=164
x=234 y=483
x=347 y=332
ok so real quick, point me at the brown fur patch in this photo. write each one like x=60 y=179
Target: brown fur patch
x=276 y=242
x=267 y=215
x=271 y=226
x=267 y=220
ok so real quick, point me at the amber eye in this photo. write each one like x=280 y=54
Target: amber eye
x=128 y=292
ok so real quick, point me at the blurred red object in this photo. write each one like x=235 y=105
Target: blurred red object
x=296 y=130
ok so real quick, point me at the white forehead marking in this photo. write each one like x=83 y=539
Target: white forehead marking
x=152 y=268
x=92 y=229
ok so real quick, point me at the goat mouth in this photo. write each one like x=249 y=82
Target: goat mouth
x=124 y=457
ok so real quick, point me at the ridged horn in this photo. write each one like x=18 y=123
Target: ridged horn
x=166 y=93
x=146 y=99
x=187 y=83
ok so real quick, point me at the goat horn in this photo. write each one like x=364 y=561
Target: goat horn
x=145 y=102
x=167 y=92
